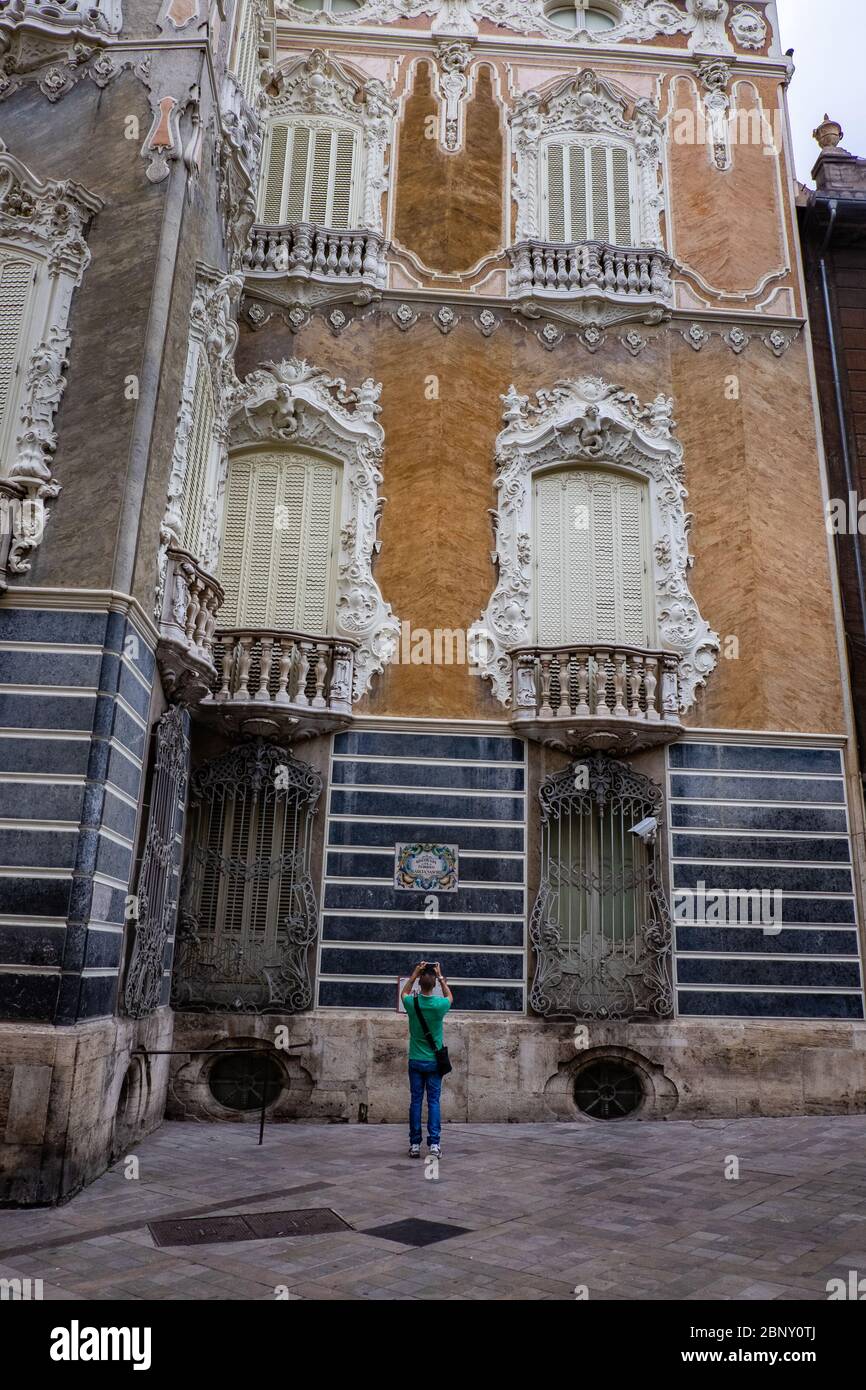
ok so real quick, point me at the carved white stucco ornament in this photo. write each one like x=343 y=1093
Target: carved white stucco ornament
x=579 y=421
x=589 y=105
x=47 y=221
x=291 y=403
x=749 y=27
x=639 y=20
x=317 y=85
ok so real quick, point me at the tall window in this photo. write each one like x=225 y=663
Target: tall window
x=198 y=453
x=600 y=924
x=280 y=538
x=248 y=911
x=588 y=193
x=592 y=581
x=245 y=63
x=311 y=174
x=18 y=276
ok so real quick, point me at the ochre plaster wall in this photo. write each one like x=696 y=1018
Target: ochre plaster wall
x=761 y=572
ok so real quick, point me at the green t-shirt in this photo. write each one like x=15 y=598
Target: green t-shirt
x=434 y=1009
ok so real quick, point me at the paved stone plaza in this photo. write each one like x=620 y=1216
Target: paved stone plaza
x=631 y=1210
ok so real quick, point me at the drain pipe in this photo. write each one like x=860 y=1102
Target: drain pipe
x=840 y=400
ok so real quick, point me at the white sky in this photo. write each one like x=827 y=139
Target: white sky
x=829 y=42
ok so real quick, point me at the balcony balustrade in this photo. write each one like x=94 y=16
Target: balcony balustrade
x=599 y=697
x=184 y=653
x=280 y=685
x=632 y=279
x=351 y=259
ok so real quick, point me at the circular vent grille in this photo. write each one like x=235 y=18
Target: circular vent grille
x=239 y=1082
x=608 y=1090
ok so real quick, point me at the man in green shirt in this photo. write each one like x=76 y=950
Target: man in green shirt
x=423 y=1071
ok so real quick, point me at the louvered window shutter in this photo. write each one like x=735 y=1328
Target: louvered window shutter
x=589 y=194
x=198 y=451
x=16 y=305
x=279 y=541
x=591 y=559
x=246 y=51
x=310 y=176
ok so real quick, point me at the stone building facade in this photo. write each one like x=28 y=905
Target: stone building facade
x=414 y=545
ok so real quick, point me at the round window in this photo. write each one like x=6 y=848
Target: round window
x=239 y=1081
x=607 y=1090
x=580 y=16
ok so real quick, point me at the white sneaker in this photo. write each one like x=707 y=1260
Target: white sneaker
x=435 y=1150
x=414 y=1150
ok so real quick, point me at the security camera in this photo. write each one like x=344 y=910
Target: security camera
x=646 y=830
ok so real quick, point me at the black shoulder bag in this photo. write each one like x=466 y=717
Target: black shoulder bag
x=443 y=1061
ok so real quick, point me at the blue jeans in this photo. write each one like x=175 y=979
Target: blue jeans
x=424 y=1076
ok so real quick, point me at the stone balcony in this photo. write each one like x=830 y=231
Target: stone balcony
x=612 y=283
x=184 y=652
x=596 y=698
x=280 y=685
x=316 y=261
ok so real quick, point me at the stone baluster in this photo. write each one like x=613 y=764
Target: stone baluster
x=594 y=274
x=224 y=693
x=319 y=266
x=582 y=711
x=319 y=701
x=303 y=670
x=633 y=279
x=370 y=264
x=537 y=266
x=601 y=660
x=651 y=682
x=356 y=263
x=265 y=659
x=545 y=712
x=245 y=656
x=620 y=677
x=635 y=677
x=333 y=245
x=644 y=278
x=612 y=267
x=549 y=272
x=344 y=245
x=283 y=695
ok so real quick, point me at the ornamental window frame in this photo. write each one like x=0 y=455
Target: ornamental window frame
x=588 y=110
x=589 y=420
x=317 y=91
x=295 y=406
x=314 y=125
x=46 y=225
x=213 y=335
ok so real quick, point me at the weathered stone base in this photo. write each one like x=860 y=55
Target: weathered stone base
x=351 y=1067
x=72 y=1100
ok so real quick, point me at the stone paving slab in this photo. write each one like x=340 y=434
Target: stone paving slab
x=638 y=1211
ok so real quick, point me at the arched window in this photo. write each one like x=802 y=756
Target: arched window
x=248 y=910
x=280 y=540
x=311 y=174
x=592 y=559
x=588 y=192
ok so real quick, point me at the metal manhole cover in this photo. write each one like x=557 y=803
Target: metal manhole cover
x=417 y=1232
x=263 y=1225
x=318 y=1222
x=200 y=1230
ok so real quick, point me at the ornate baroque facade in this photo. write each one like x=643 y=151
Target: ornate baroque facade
x=413 y=544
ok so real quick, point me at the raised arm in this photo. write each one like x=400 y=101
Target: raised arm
x=446 y=988
x=407 y=988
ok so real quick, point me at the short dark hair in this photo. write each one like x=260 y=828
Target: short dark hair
x=427 y=978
